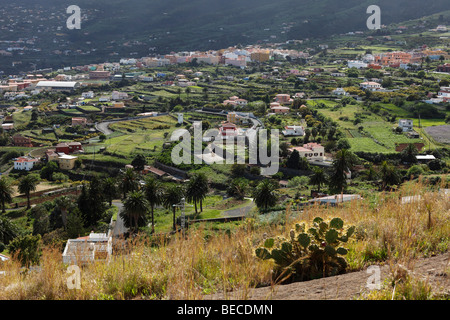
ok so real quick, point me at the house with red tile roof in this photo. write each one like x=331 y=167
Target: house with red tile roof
x=25 y=163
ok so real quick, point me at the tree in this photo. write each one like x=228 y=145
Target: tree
x=139 y=162
x=409 y=153
x=135 y=209
x=75 y=224
x=389 y=175
x=26 y=249
x=173 y=196
x=238 y=188
x=6 y=192
x=48 y=170
x=265 y=195
x=343 y=144
x=154 y=192
x=28 y=184
x=370 y=173
x=41 y=221
x=109 y=186
x=318 y=178
x=293 y=160
x=128 y=182
x=91 y=202
x=8 y=230
x=342 y=164
x=63 y=204
x=197 y=189
x=238 y=170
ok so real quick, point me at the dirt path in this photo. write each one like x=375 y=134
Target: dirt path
x=348 y=286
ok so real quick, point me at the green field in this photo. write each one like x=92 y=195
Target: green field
x=140 y=136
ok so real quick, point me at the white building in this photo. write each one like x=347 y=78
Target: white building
x=293 y=131
x=444 y=94
x=311 y=151
x=87 y=95
x=57 y=85
x=95 y=247
x=340 y=92
x=116 y=95
x=356 y=64
x=406 y=125
x=339 y=198
x=24 y=163
x=370 y=85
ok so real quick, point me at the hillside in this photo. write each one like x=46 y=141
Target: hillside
x=140 y=27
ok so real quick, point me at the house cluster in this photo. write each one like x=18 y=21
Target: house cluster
x=279 y=105
x=235 y=102
x=398 y=59
x=63 y=154
x=232 y=56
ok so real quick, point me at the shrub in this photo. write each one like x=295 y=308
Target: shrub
x=316 y=253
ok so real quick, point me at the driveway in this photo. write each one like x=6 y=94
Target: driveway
x=119 y=227
x=239 y=212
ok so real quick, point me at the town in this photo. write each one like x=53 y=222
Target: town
x=87 y=155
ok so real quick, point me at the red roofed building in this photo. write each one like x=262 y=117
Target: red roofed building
x=69 y=148
x=228 y=130
x=311 y=151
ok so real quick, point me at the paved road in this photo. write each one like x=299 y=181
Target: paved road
x=119 y=227
x=103 y=127
x=239 y=212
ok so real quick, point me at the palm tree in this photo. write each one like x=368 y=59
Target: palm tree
x=409 y=153
x=187 y=91
x=154 y=192
x=342 y=164
x=64 y=203
x=173 y=196
x=238 y=188
x=318 y=178
x=265 y=195
x=6 y=192
x=136 y=207
x=110 y=189
x=370 y=173
x=8 y=230
x=389 y=175
x=197 y=190
x=28 y=184
x=128 y=182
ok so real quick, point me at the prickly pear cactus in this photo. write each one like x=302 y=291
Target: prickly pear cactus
x=309 y=253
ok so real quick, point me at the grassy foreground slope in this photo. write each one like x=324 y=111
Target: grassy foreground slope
x=207 y=262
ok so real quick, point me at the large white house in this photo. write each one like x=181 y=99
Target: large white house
x=444 y=94
x=371 y=85
x=311 y=151
x=340 y=92
x=24 y=163
x=293 y=131
x=57 y=85
x=356 y=64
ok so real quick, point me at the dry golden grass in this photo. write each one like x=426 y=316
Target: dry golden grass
x=192 y=267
